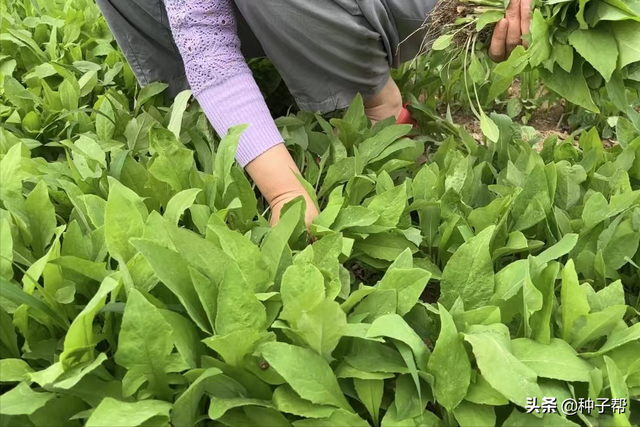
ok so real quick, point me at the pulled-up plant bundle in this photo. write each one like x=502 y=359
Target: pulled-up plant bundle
x=586 y=51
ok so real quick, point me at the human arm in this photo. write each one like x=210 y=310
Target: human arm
x=221 y=81
x=274 y=172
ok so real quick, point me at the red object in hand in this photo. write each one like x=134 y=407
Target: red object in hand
x=405 y=117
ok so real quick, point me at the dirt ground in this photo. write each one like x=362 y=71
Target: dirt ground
x=546 y=120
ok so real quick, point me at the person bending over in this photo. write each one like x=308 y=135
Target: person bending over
x=327 y=52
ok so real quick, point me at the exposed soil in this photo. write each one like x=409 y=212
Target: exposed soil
x=546 y=120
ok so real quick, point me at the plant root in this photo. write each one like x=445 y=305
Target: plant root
x=445 y=18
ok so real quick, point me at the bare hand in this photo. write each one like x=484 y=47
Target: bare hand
x=274 y=172
x=508 y=33
x=278 y=203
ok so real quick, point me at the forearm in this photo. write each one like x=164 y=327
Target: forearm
x=205 y=33
x=274 y=172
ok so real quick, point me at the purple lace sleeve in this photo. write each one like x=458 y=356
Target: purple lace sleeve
x=205 y=33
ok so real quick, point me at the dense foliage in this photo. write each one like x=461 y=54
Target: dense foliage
x=584 y=51
x=141 y=284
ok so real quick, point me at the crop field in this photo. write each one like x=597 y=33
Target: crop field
x=481 y=269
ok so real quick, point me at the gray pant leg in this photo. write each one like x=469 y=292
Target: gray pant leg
x=142 y=31
x=327 y=51
x=409 y=16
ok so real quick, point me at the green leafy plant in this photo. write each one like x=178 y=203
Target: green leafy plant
x=581 y=51
x=141 y=284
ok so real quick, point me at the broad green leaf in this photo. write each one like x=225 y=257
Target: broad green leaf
x=502 y=370
x=339 y=172
x=220 y=405
x=556 y=360
x=234 y=346
x=590 y=327
x=80 y=341
x=409 y=284
x=59 y=412
x=617 y=339
x=148 y=92
x=354 y=216
x=571 y=86
x=407 y=402
x=146 y=356
x=185 y=337
x=173 y=162
x=344 y=370
x=322 y=327
x=619 y=242
x=563 y=247
x=14 y=370
x=469 y=273
x=385 y=246
x=307 y=373
x=286 y=400
x=573 y=300
x=442 y=42
x=246 y=254
x=356 y=297
x=180 y=203
x=370 y=393
x=569 y=179
x=276 y=241
x=389 y=205
x=6 y=250
x=449 y=364
x=338 y=418
x=302 y=289
x=541 y=320
x=605 y=297
x=112 y=412
x=489 y=127
x=369 y=356
x=177 y=112
x=185 y=409
x=105 y=121
x=42 y=218
x=18 y=296
x=541 y=47
x=592 y=43
x=70 y=378
x=11 y=173
x=626 y=34
x=476 y=71
x=225 y=157
x=533 y=203
x=619 y=391
x=379 y=303
x=238 y=307
x=394 y=326
x=511 y=279
x=481 y=393
x=374 y=146
x=173 y=271
x=427 y=419
x=519 y=419
x=473 y=415
x=125 y=216
x=22 y=400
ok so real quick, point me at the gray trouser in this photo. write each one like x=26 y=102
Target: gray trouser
x=327 y=51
